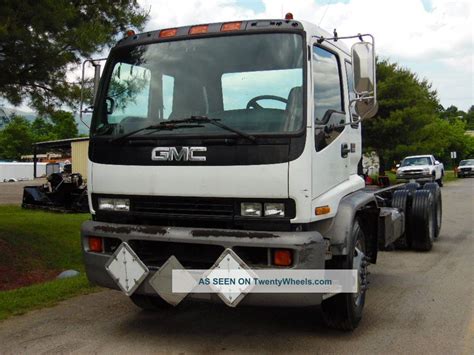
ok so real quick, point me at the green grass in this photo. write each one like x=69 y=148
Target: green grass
x=44 y=241
x=24 y=299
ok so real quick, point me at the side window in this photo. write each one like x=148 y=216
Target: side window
x=327 y=84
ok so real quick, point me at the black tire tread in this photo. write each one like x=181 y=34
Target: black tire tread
x=422 y=206
x=412 y=186
x=400 y=200
x=438 y=203
x=338 y=311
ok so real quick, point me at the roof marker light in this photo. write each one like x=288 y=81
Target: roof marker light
x=129 y=33
x=195 y=30
x=289 y=16
x=231 y=26
x=170 y=32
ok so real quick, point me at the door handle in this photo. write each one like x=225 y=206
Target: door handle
x=345 y=150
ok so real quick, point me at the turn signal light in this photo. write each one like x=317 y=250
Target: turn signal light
x=95 y=244
x=322 y=210
x=282 y=257
x=171 y=32
x=231 y=26
x=195 y=30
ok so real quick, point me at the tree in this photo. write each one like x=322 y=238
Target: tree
x=16 y=139
x=57 y=125
x=470 y=118
x=64 y=125
x=41 y=40
x=409 y=119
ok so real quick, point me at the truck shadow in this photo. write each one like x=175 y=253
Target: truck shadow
x=233 y=328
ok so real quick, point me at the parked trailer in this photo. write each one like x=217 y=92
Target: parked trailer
x=240 y=139
x=19 y=171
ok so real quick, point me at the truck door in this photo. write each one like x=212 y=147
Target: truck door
x=331 y=143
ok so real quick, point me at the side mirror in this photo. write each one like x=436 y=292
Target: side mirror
x=436 y=162
x=366 y=108
x=397 y=166
x=88 y=109
x=96 y=81
x=363 y=62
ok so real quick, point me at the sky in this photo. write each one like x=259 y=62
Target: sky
x=433 y=38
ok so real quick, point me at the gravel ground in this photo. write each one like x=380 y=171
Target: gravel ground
x=11 y=193
x=416 y=303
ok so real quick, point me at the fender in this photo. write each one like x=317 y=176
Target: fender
x=362 y=204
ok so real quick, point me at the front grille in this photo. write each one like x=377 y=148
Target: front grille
x=197 y=256
x=183 y=206
x=413 y=172
x=465 y=170
x=177 y=211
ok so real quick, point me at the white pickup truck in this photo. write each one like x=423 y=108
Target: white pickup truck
x=421 y=168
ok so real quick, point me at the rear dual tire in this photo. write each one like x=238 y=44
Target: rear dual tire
x=438 y=205
x=422 y=220
x=400 y=200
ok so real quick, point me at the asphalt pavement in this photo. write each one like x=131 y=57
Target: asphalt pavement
x=416 y=303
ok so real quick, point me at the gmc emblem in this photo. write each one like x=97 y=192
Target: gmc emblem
x=171 y=153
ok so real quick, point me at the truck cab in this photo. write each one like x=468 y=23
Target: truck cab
x=239 y=136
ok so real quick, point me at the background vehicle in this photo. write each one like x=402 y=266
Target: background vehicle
x=421 y=168
x=242 y=135
x=466 y=168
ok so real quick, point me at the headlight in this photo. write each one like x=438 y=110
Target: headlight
x=273 y=209
x=114 y=204
x=251 y=209
x=106 y=204
x=122 y=204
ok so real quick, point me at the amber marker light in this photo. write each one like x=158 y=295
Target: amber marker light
x=170 y=32
x=231 y=26
x=195 y=30
x=322 y=210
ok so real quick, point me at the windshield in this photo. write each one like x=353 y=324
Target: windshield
x=416 y=161
x=467 y=162
x=252 y=83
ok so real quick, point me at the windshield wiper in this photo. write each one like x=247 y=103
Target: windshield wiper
x=164 y=125
x=192 y=122
x=214 y=121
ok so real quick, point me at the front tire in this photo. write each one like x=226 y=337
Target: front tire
x=344 y=311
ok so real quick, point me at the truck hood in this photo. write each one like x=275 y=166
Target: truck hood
x=252 y=181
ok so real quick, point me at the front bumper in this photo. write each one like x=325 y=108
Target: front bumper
x=416 y=177
x=464 y=173
x=309 y=249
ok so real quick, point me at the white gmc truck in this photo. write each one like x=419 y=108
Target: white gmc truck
x=421 y=168
x=241 y=136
